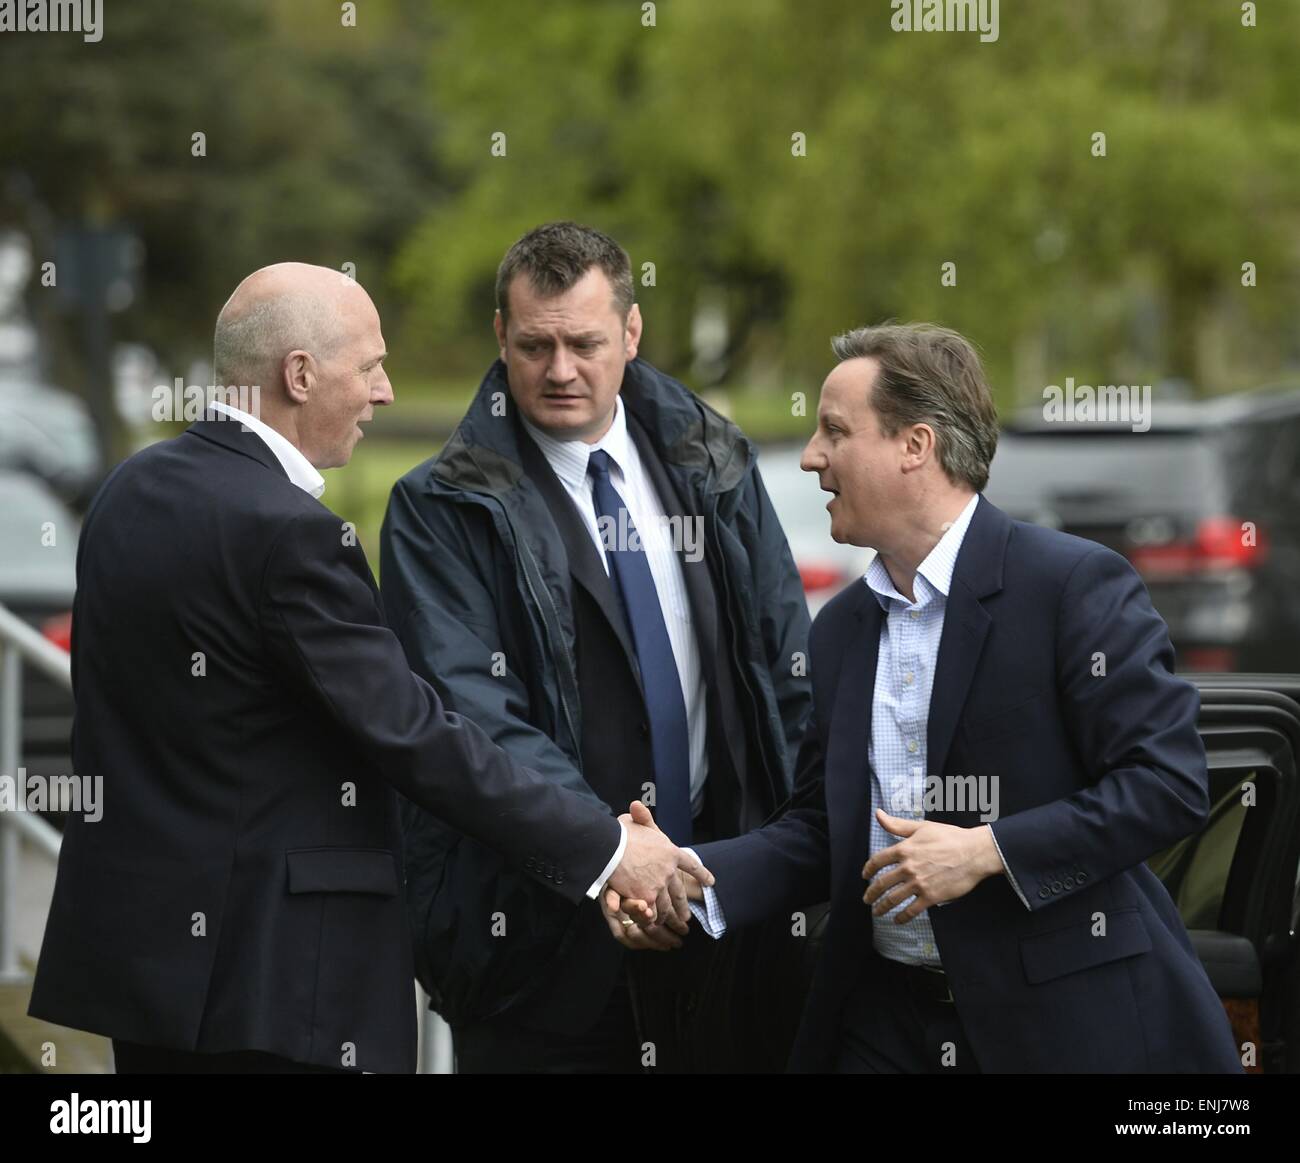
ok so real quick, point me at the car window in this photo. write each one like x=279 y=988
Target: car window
x=1139 y=472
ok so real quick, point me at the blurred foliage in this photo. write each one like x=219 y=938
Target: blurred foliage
x=319 y=144
x=921 y=149
x=373 y=145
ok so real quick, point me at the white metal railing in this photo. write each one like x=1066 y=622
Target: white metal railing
x=19 y=645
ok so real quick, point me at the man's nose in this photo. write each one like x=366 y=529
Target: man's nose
x=812 y=460
x=382 y=392
x=561 y=369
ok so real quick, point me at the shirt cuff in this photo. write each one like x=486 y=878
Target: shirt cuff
x=708 y=914
x=594 y=891
x=1007 y=867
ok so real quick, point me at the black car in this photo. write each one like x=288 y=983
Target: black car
x=1205 y=504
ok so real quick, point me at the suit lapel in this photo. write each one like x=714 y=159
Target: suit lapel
x=584 y=562
x=965 y=626
x=848 y=769
x=976 y=575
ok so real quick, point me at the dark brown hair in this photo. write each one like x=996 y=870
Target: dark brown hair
x=931 y=375
x=557 y=255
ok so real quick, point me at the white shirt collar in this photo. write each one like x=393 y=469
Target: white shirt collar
x=937 y=568
x=299 y=469
x=569 y=457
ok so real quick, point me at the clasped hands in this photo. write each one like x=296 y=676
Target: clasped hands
x=932 y=863
x=636 y=923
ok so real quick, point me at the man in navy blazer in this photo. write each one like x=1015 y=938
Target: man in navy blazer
x=997 y=745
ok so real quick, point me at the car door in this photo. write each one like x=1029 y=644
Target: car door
x=1235 y=881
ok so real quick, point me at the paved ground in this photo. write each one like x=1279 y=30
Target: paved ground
x=27 y=1044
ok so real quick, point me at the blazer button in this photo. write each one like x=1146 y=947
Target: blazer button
x=1056 y=887
x=1043 y=894
x=1068 y=882
x=1082 y=877
x=559 y=878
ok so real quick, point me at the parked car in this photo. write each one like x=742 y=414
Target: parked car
x=49 y=433
x=825 y=566
x=1206 y=505
x=38 y=554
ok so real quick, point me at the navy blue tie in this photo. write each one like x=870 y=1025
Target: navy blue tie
x=629 y=570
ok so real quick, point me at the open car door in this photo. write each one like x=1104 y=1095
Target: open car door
x=1235 y=882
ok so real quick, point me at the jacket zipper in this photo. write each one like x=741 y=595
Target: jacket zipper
x=565 y=653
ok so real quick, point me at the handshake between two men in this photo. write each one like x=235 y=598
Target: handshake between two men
x=932 y=863
x=652 y=877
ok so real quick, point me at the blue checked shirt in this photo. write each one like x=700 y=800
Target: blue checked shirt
x=900 y=711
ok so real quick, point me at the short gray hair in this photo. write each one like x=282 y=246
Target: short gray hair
x=931 y=375
x=250 y=345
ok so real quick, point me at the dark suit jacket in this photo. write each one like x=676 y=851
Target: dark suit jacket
x=1096 y=773
x=247 y=710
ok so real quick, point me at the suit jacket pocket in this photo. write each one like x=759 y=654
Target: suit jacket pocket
x=368 y=870
x=1046 y=956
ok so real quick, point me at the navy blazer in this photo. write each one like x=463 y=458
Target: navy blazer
x=250 y=716
x=1054 y=675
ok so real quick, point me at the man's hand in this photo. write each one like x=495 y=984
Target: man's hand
x=632 y=935
x=934 y=863
x=694 y=889
x=648 y=871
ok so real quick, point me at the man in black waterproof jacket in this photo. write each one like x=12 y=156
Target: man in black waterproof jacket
x=592 y=571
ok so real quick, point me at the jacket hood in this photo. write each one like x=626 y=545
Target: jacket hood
x=483 y=453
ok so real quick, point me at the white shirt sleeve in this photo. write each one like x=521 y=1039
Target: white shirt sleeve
x=594 y=891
